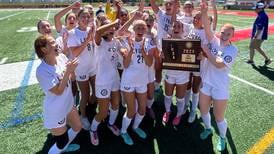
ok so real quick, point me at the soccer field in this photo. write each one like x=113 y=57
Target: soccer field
x=250 y=111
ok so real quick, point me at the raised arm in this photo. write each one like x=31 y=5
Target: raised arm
x=60 y=87
x=140 y=8
x=59 y=15
x=127 y=55
x=204 y=9
x=77 y=50
x=154 y=6
x=147 y=57
x=212 y=58
x=175 y=8
x=125 y=27
x=119 y=7
x=215 y=15
x=102 y=29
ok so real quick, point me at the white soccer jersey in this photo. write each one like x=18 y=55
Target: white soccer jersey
x=163 y=27
x=87 y=58
x=108 y=58
x=60 y=43
x=124 y=44
x=218 y=77
x=136 y=74
x=55 y=106
x=185 y=19
x=63 y=30
x=151 y=43
x=198 y=34
x=59 y=38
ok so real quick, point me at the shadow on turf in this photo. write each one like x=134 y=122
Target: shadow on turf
x=161 y=139
x=228 y=135
x=266 y=71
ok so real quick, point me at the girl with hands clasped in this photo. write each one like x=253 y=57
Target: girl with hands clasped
x=54 y=74
x=81 y=44
x=107 y=80
x=134 y=81
x=220 y=55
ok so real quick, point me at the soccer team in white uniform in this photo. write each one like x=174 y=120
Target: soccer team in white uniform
x=90 y=54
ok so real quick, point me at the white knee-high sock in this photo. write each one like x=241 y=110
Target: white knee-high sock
x=136 y=105
x=54 y=149
x=207 y=120
x=138 y=119
x=72 y=134
x=112 y=116
x=168 y=101
x=125 y=123
x=180 y=106
x=156 y=85
x=94 y=125
x=187 y=96
x=150 y=103
x=222 y=126
x=195 y=100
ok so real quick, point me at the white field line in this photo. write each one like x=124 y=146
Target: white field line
x=48 y=15
x=252 y=84
x=11 y=15
x=3 y=60
x=12 y=74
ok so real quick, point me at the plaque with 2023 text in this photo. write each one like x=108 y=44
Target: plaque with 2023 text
x=181 y=54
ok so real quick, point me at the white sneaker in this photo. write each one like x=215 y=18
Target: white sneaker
x=187 y=105
x=114 y=129
x=192 y=116
x=94 y=137
x=85 y=123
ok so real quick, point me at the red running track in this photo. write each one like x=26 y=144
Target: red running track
x=246 y=34
x=244 y=14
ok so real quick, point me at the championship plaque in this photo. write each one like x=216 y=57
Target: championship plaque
x=181 y=54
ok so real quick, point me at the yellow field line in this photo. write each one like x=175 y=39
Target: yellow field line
x=263 y=143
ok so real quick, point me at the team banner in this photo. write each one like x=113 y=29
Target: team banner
x=181 y=54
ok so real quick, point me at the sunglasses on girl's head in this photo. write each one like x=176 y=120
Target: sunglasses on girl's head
x=124 y=15
x=188 y=7
x=168 y=3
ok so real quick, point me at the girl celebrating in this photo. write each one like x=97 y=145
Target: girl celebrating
x=70 y=19
x=175 y=79
x=44 y=27
x=163 y=26
x=54 y=74
x=153 y=51
x=107 y=79
x=80 y=42
x=197 y=32
x=220 y=55
x=70 y=23
x=134 y=81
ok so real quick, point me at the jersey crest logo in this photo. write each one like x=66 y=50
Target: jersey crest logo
x=104 y=92
x=228 y=59
x=127 y=88
x=82 y=77
x=61 y=122
x=119 y=65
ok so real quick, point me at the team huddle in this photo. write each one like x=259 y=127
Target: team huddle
x=115 y=58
